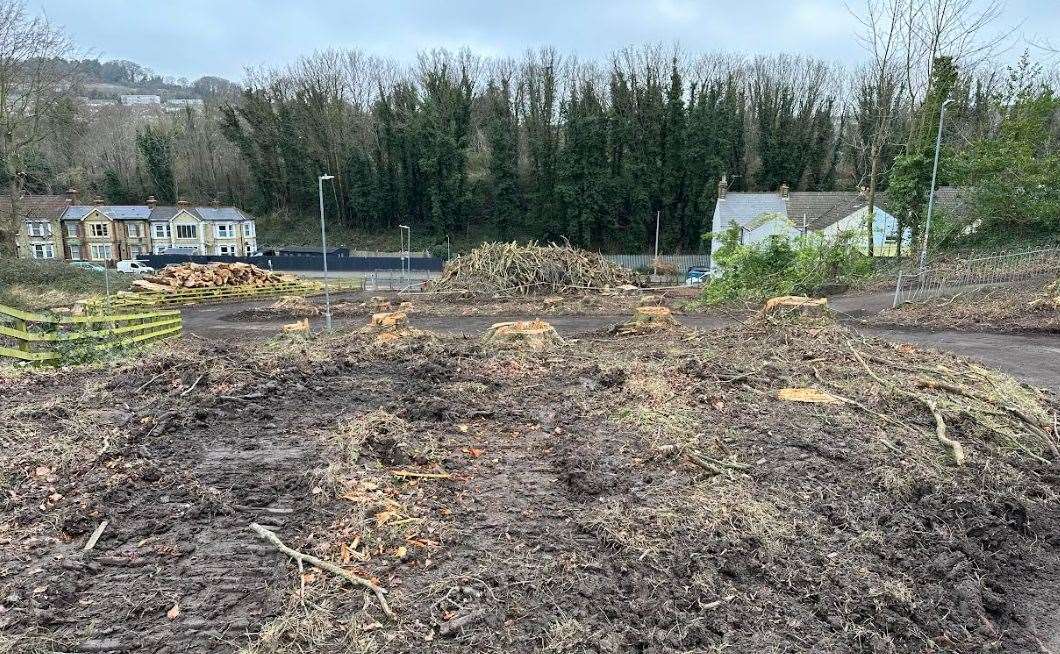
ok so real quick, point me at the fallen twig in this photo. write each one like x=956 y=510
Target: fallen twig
x=423 y=475
x=193 y=385
x=271 y=537
x=95 y=536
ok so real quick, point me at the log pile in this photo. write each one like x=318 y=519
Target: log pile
x=210 y=275
x=508 y=269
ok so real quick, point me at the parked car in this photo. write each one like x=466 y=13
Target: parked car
x=134 y=267
x=696 y=275
x=87 y=265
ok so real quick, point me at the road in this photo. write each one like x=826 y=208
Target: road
x=1034 y=359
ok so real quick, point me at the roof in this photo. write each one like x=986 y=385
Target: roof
x=36 y=207
x=745 y=208
x=158 y=213
x=824 y=208
x=820 y=208
x=114 y=212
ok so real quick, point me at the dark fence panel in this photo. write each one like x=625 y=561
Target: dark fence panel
x=296 y=263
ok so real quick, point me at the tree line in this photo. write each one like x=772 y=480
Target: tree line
x=549 y=146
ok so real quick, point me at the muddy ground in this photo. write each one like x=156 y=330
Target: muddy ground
x=515 y=502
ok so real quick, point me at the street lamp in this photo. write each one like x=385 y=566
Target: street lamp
x=931 y=192
x=324 y=253
x=406 y=265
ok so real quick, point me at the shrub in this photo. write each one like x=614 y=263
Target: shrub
x=783 y=266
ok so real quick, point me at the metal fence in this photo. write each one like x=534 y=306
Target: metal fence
x=979 y=271
x=679 y=262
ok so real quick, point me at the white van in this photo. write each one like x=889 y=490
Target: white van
x=134 y=267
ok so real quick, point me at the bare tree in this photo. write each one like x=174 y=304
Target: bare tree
x=884 y=34
x=33 y=77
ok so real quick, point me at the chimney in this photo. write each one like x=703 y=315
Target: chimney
x=723 y=187
x=784 y=190
x=183 y=204
x=98 y=201
x=71 y=196
x=151 y=202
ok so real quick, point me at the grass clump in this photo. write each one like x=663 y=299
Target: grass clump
x=34 y=284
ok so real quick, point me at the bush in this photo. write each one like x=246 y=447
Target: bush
x=782 y=266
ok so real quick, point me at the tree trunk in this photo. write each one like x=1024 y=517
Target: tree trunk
x=871 y=215
x=11 y=223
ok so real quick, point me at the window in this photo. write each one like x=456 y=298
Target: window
x=46 y=251
x=99 y=230
x=187 y=231
x=40 y=229
x=224 y=230
x=248 y=229
x=226 y=250
x=136 y=250
x=160 y=248
x=101 y=252
x=75 y=252
x=71 y=230
x=133 y=230
x=248 y=249
x=162 y=230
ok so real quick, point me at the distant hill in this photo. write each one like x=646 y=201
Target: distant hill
x=110 y=79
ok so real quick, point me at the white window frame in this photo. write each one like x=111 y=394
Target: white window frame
x=75 y=253
x=194 y=232
x=71 y=230
x=248 y=249
x=226 y=250
x=162 y=230
x=224 y=230
x=102 y=227
x=43 y=251
x=101 y=252
x=248 y=230
x=132 y=230
x=160 y=248
x=39 y=229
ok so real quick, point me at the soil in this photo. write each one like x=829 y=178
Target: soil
x=512 y=501
x=680 y=300
x=1006 y=309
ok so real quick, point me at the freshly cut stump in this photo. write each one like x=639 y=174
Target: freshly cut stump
x=794 y=304
x=297 y=306
x=646 y=320
x=389 y=320
x=300 y=327
x=534 y=335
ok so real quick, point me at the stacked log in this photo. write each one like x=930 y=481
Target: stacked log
x=210 y=275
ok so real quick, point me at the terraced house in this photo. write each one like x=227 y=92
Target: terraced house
x=58 y=227
x=40 y=235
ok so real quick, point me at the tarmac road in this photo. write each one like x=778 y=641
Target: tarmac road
x=1033 y=358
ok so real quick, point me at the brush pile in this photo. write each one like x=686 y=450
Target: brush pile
x=512 y=269
x=209 y=275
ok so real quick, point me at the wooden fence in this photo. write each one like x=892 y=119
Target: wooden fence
x=182 y=296
x=40 y=338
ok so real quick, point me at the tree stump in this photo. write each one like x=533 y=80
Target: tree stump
x=647 y=319
x=534 y=335
x=389 y=321
x=799 y=305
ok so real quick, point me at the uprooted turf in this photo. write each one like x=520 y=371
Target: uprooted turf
x=648 y=493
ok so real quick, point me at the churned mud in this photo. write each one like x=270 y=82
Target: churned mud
x=647 y=493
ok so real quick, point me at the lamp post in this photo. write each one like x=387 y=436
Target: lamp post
x=931 y=192
x=324 y=252
x=406 y=244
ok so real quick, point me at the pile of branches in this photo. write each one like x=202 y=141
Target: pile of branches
x=514 y=269
x=209 y=275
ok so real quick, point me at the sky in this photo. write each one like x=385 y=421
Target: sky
x=192 y=38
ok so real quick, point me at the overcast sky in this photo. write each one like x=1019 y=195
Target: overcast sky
x=191 y=38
